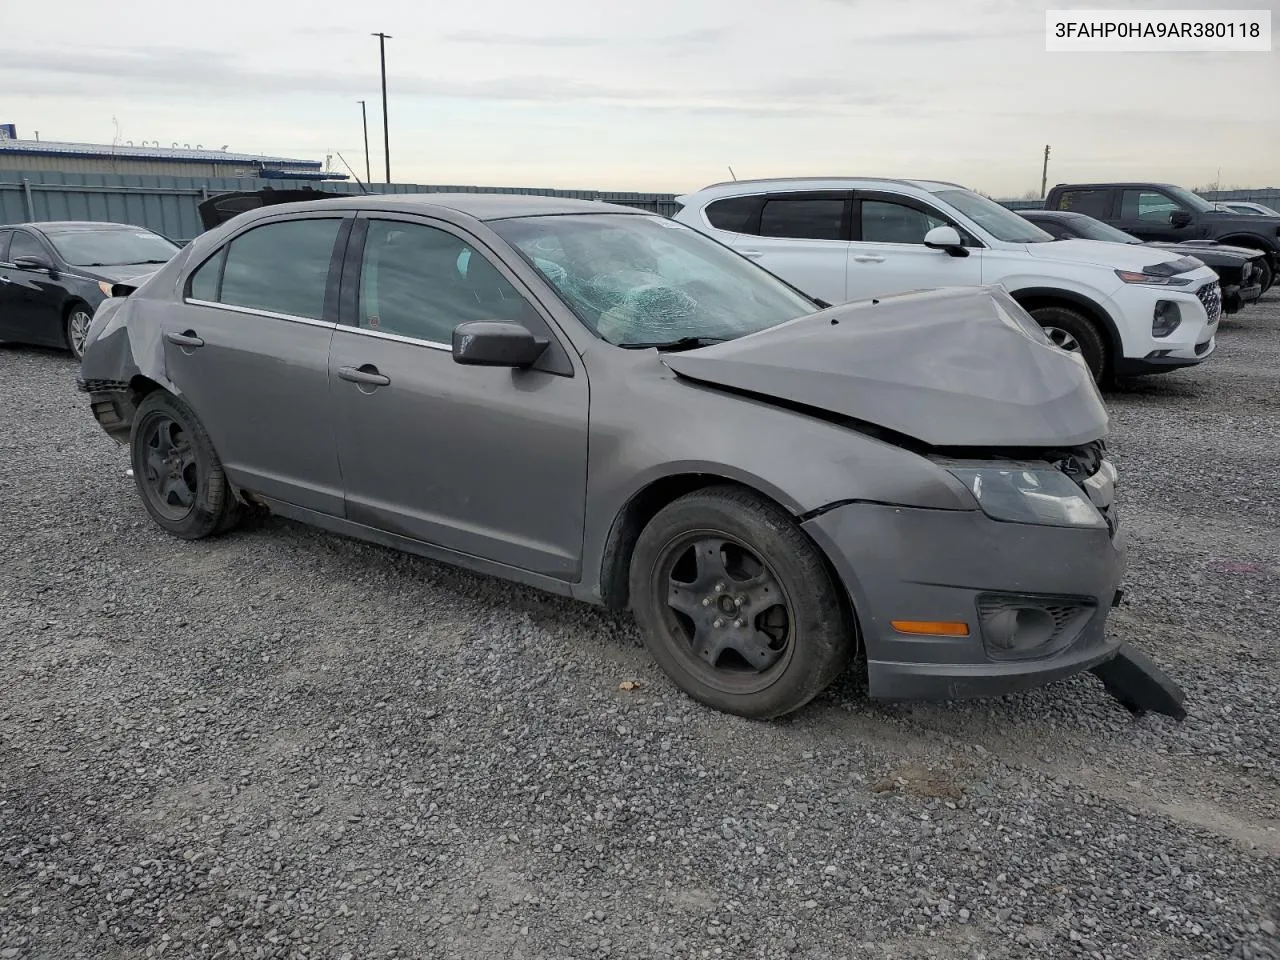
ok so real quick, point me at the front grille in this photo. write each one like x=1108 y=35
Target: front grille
x=1211 y=296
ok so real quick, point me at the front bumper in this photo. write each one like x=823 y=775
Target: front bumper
x=1236 y=296
x=903 y=563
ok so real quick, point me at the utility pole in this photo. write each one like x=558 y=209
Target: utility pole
x=364 y=119
x=386 y=130
x=1044 y=174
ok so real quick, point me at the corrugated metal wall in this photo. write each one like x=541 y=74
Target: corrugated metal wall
x=167 y=205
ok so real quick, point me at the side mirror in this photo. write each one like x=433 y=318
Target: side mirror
x=496 y=343
x=33 y=263
x=1180 y=218
x=946 y=238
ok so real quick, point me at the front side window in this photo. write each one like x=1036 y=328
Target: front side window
x=280 y=267
x=25 y=245
x=1147 y=205
x=112 y=247
x=1001 y=222
x=801 y=218
x=637 y=279
x=421 y=282
x=886 y=222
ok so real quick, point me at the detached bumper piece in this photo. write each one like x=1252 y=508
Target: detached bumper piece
x=1140 y=686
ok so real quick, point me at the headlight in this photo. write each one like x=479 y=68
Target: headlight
x=1045 y=497
x=1153 y=279
x=105 y=286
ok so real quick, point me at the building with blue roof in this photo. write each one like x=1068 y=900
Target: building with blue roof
x=151 y=159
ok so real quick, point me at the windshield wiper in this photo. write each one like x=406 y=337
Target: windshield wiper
x=680 y=343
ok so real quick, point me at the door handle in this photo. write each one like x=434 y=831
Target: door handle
x=752 y=254
x=368 y=374
x=868 y=259
x=187 y=338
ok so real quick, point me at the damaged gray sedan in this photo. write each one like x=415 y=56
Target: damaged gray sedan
x=605 y=404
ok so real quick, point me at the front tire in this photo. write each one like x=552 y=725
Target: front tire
x=737 y=605
x=177 y=471
x=76 y=329
x=1267 y=276
x=1075 y=333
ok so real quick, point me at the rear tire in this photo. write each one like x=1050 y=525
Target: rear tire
x=1075 y=333
x=177 y=471
x=737 y=605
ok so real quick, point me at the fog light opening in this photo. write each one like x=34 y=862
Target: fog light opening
x=1019 y=629
x=1166 y=318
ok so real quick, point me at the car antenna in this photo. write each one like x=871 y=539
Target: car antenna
x=732 y=174
x=352 y=172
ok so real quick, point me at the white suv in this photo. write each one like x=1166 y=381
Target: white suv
x=1127 y=309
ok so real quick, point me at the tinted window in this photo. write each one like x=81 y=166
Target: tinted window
x=805 y=219
x=1056 y=228
x=887 y=222
x=737 y=214
x=25 y=245
x=1146 y=205
x=4 y=245
x=420 y=282
x=280 y=267
x=1094 y=203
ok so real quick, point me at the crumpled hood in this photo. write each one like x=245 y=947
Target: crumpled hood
x=1101 y=253
x=955 y=367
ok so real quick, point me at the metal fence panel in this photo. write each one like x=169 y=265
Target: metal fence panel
x=168 y=205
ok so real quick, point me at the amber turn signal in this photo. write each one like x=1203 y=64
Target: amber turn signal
x=931 y=628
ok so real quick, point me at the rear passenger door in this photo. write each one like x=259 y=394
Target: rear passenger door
x=801 y=236
x=888 y=254
x=248 y=347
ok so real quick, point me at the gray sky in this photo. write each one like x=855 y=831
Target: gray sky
x=661 y=95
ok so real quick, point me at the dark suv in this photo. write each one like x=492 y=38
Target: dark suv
x=1162 y=211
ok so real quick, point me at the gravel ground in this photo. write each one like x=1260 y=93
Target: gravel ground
x=286 y=744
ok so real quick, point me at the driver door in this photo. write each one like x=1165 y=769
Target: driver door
x=1149 y=214
x=888 y=254
x=485 y=461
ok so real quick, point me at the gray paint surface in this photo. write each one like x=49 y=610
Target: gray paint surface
x=526 y=473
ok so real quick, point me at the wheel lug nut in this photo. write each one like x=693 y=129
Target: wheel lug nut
x=739 y=601
x=706 y=601
x=719 y=588
x=739 y=623
x=719 y=623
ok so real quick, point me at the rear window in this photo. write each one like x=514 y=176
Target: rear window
x=1093 y=203
x=803 y=219
x=735 y=214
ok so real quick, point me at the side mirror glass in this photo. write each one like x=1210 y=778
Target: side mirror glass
x=496 y=343
x=1179 y=218
x=946 y=238
x=32 y=263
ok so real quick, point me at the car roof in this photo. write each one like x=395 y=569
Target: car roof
x=732 y=187
x=1053 y=214
x=480 y=206
x=78 y=226
x=1110 y=184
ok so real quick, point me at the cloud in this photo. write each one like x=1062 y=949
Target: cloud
x=178 y=73
x=569 y=41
